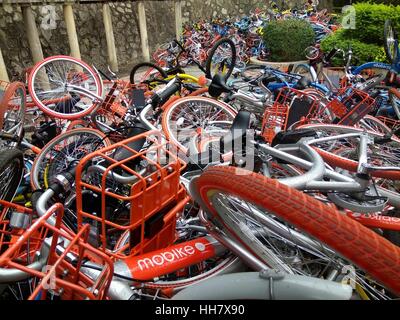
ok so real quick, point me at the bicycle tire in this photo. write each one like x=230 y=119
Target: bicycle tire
x=172 y=134
x=366 y=249
x=213 y=50
x=390 y=35
x=15 y=90
x=8 y=158
x=43 y=88
x=306 y=71
x=145 y=64
x=371 y=123
x=35 y=171
x=256 y=72
x=347 y=164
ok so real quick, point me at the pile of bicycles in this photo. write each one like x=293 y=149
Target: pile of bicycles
x=245 y=32
x=248 y=184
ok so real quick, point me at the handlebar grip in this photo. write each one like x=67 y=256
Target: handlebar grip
x=104 y=75
x=162 y=97
x=330 y=54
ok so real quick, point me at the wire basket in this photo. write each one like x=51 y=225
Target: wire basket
x=61 y=257
x=130 y=194
x=291 y=107
x=14 y=220
x=118 y=100
x=350 y=106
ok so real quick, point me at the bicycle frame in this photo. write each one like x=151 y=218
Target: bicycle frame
x=317 y=170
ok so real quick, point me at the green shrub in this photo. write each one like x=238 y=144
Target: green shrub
x=365 y=52
x=287 y=39
x=370 y=21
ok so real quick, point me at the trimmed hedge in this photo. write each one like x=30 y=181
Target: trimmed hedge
x=367 y=39
x=287 y=39
x=370 y=21
x=365 y=52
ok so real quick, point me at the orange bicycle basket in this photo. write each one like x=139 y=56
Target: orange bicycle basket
x=350 y=106
x=61 y=274
x=137 y=214
x=119 y=98
x=14 y=219
x=290 y=107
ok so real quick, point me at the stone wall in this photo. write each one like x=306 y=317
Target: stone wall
x=90 y=28
x=13 y=42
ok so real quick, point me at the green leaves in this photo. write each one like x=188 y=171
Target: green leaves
x=370 y=20
x=287 y=39
x=367 y=39
x=365 y=52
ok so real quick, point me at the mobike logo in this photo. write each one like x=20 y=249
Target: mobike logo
x=176 y=253
x=378 y=217
x=177 y=257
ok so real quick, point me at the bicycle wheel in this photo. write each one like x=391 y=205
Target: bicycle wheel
x=12 y=111
x=146 y=72
x=64 y=87
x=245 y=204
x=191 y=117
x=11 y=170
x=371 y=123
x=63 y=151
x=390 y=38
x=221 y=59
x=379 y=154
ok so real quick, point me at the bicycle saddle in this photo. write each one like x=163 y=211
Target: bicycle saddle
x=237 y=133
x=218 y=86
x=123 y=153
x=233 y=139
x=292 y=136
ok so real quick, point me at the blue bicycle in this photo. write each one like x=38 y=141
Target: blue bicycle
x=390 y=70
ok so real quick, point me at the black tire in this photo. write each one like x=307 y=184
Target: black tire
x=150 y=65
x=11 y=170
x=390 y=35
x=209 y=63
